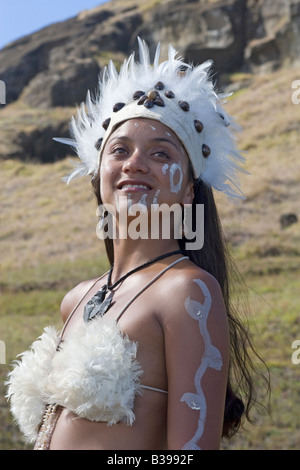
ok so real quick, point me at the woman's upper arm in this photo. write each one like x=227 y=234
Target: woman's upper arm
x=197 y=351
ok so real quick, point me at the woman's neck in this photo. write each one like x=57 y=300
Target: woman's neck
x=128 y=254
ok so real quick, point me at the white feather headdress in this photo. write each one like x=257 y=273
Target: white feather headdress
x=173 y=92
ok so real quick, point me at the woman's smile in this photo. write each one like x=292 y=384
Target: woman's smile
x=129 y=186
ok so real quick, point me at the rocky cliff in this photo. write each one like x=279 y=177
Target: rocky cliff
x=56 y=65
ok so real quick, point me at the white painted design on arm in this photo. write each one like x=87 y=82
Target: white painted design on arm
x=211 y=358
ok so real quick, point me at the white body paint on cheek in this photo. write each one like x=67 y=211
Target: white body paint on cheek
x=211 y=358
x=141 y=205
x=156 y=196
x=142 y=201
x=175 y=188
x=165 y=168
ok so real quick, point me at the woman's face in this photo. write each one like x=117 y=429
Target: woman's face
x=144 y=161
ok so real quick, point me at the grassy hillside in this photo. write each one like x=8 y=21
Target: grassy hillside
x=48 y=244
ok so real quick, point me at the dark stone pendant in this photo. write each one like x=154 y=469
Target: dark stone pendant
x=105 y=306
x=97 y=305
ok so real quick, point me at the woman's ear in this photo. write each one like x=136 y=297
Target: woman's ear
x=189 y=193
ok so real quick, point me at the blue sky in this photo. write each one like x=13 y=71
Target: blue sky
x=21 y=17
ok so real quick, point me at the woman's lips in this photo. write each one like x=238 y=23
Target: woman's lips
x=130 y=187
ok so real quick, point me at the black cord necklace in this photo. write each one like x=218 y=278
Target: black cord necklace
x=98 y=305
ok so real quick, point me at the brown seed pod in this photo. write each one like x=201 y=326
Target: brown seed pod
x=184 y=105
x=137 y=94
x=105 y=123
x=99 y=143
x=198 y=126
x=205 y=150
x=142 y=99
x=152 y=95
x=169 y=94
x=148 y=103
x=118 y=106
x=159 y=86
x=159 y=101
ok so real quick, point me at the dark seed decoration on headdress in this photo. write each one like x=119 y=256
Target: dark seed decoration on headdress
x=98 y=143
x=198 y=126
x=159 y=86
x=169 y=94
x=151 y=99
x=159 y=101
x=138 y=94
x=152 y=95
x=148 y=103
x=118 y=106
x=184 y=105
x=105 y=123
x=142 y=99
x=205 y=150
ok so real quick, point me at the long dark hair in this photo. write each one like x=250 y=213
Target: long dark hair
x=214 y=258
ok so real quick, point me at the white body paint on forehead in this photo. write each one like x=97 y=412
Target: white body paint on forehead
x=174 y=168
x=211 y=358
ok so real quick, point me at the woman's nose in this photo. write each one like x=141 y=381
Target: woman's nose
x=136 y=163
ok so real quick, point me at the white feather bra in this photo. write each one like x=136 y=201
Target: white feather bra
x=94 y=374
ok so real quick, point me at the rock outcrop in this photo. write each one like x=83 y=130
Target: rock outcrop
x=55 y=66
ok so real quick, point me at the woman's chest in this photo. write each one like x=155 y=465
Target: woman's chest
x=138 y=324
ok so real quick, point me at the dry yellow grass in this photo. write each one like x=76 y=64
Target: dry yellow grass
x=42 y=219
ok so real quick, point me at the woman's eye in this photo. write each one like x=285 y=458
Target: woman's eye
x=119 y=150
x=161 y=155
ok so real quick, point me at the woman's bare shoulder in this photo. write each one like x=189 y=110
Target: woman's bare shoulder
x=190 y=284
x=74 y=296
x=186 y=279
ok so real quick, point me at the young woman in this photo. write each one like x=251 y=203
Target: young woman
x=151 y=355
